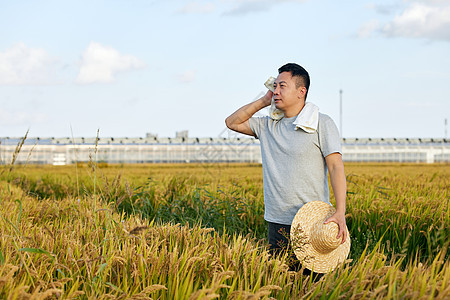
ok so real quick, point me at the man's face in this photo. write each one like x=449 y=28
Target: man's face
x=286 y=96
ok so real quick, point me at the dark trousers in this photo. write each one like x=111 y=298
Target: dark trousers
x=278 y=237
x=279 y=242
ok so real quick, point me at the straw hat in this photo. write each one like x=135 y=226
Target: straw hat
x=314 y=243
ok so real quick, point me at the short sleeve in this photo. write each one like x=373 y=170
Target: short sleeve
x=256 y=123
x=329 y=138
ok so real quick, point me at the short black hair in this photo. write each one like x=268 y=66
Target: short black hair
x=302 y=76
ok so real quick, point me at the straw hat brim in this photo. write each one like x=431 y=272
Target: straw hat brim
x=306 y=221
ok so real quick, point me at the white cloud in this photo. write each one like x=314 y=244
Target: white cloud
x=427 y=19
x=101 y=63
x=232 y=7
x=20 y=65
x=243 y=7
x=246 y=7
x=195 y=7
x=368 y=28
x=384 y=9
x=186 y=77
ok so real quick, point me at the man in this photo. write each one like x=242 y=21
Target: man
x=295 y=162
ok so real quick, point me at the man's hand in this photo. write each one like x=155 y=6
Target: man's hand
x=267 y=98
x=339 y=219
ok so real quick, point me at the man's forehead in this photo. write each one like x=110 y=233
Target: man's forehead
x=284 y=77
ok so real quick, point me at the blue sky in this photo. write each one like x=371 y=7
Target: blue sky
x=137 y=66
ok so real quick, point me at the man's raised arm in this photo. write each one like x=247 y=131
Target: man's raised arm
x=238 y=121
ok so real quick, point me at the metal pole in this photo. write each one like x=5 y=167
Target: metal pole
x=340 y=113
x=445 y=124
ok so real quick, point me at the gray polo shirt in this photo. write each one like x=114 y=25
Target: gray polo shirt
x=294 y=168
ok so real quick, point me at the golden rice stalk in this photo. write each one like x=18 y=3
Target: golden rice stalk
x=148 y=290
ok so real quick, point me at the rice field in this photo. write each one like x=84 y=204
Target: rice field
x=196 y=231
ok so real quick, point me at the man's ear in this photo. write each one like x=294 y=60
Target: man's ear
x=301 y=92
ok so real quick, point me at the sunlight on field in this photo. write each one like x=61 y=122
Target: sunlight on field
x=197 y=231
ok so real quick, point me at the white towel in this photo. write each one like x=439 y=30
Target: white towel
x=307 y=119
x=274 y=112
